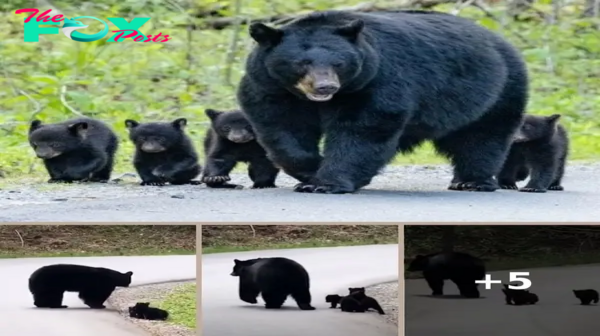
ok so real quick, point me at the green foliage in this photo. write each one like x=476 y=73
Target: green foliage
x=180 y=78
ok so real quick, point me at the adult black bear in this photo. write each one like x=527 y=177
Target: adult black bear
x=163 y=152
x=94 y=284
x=142 y=310
x=80 y=149
x=586 y=296
x=462 y=268
x=378 y=84
x=230 y=140
x=540 y=149
x=274 y=279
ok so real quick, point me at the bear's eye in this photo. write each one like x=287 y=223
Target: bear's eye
x=338 y=64
x=226 y=128
x=142 y=138
x=55 y=144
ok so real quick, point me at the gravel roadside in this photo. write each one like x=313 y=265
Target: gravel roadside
x=408 y=178
x=387 y=296
x=123 y=298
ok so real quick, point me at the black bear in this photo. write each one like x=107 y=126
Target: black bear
x=163 y=152
x=94 y=284
x=81 y=149
x=230 y=140
x=461 y=268
x=586 y=296
x=274 y=279
x=333 y=299
x=540 y=149
x=142 y=310
x=351 y=304
x=376 y=84
x=366 y=302
x=519 y=297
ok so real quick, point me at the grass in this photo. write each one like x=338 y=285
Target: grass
x=235 y=238
x=181 y=305
x=95 y=240
x=181 y=78
x=511 y=247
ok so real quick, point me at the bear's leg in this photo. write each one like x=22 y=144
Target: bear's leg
x=436 y=284
x=248 y=291
x=287 y=133
x=103 y=175
x=185 y=176
x=95 y=297
x=303 y=298
x=543 y=170
x=273 y=299
x=479 y=150
x=560 y=172
x=507 y=178
x=49 y=299
x=216 y=170
x=262 y=172
x=354 y=153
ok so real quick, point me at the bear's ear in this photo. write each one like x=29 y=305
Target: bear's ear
x=35 y=124
x=129 y=274
x=236 y=261
x=131 y=124
x=351 y=30
x=179 y=123
x=212 y=114
x=553 y=119
x=265 y=35
x=79 y=129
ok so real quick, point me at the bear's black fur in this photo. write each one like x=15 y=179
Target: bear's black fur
x=163 y=152
x=378 y=84
x=461 y=268
x=334 y=299
x=274 y=279
x=81 y=149
x=540 y=149
x=586 y=296
x=366 y=302
x=351 y=304
x=230 y=140
x=142 y=310
x=94 y=284
x=519 y=297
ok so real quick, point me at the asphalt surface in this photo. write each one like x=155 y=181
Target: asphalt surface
x=401 y=194
x=558 y=313
x=19 y=317
x=332 y=270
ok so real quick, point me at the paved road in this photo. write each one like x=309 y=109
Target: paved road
x=332 y=270
x=402 y=194
x=19 y=317
x=558 y=313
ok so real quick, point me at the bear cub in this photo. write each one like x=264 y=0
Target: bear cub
x=540 y=148
x=333 y=299
x=519 y=297
x=81 y=149
x=586 y=296
x=163 y=152
x=275 y=279
x=142 y=310
x=94 y=284
x=365 y=301
x=230 y=140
